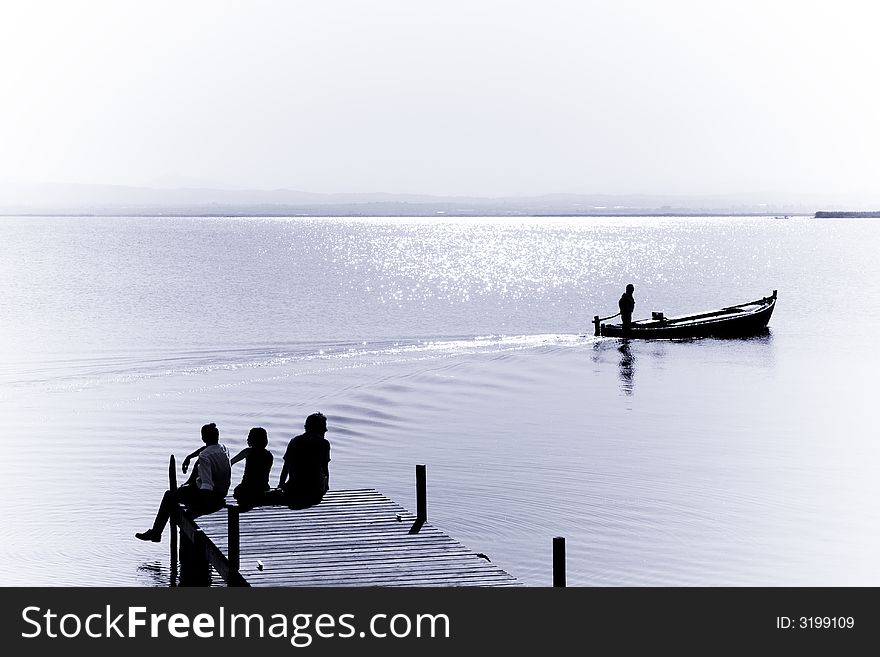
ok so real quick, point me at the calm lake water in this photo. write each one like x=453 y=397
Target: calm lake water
x=458 y=343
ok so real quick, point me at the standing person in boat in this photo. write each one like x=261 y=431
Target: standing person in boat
x=627 y=304
x=254 y=486
x=203 y=493
x=305 y=476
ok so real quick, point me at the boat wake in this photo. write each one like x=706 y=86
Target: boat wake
x=90 y=372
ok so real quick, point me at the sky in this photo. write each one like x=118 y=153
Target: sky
x=483 y=98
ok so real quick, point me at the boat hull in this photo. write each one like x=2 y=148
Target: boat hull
x=733 y=322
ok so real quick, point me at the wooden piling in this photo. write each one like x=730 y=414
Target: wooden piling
x=558 y=561
x=596 y=324
x=188 y=565
x=421 y=499
x=234 y=536
x=172 y=486
x=421 y=493
x=200 y=569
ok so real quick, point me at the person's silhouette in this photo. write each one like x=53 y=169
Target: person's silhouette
x=305 y=476
x=627 y=304
x=258 y=460
x=204 y=492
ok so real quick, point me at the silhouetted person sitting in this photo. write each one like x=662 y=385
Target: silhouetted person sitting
x=627 y=304
x=190 y=457
x=305 y=476
x=258 y=460
x=206 y=489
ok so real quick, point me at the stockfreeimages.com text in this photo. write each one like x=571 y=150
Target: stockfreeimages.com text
x=300 y=629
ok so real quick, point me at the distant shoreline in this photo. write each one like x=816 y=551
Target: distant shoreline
x=70 y=199
x=417 y=215
x=843 y=215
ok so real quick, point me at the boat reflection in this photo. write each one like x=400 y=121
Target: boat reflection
x=647 y=356
x=626 y=367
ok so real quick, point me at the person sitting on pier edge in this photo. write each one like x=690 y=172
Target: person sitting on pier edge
x=306 y=463
x=254 y=486
x=627 y=304
x=204 y=492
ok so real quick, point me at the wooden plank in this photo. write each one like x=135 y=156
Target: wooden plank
x=340 y=534
x=340 y=523
x=314 y=565
x=467 y=559
x=367 y=550
x=257 y=581
x=364 y=552
x=418 y=573
x=340 y=520
x=332 y=541
x=348 y=526
x=327 y=579
x=302 y=517
x=391 y=576
x=342 y=543
x=332 y=533
x=414 y=568
x=417 y=580
x=335 y=542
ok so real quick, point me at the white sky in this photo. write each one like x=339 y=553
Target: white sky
x=445 y=97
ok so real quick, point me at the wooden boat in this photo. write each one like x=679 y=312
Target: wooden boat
x=730 y=322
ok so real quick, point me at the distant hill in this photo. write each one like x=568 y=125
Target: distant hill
x=826 y=214
x=109 y=200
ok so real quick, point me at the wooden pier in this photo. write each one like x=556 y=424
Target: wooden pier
x=352 y=538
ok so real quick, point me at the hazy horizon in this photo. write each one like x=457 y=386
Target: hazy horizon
x=108 y=200
x=460 y=99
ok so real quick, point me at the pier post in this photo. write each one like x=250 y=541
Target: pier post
x=421 y=493
x=194 y=567
x=234 y=538
x=421 y=499
x=559 y=561
x=172 y=486
x=596 y=323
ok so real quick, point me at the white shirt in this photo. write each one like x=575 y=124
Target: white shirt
x=215 y=472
